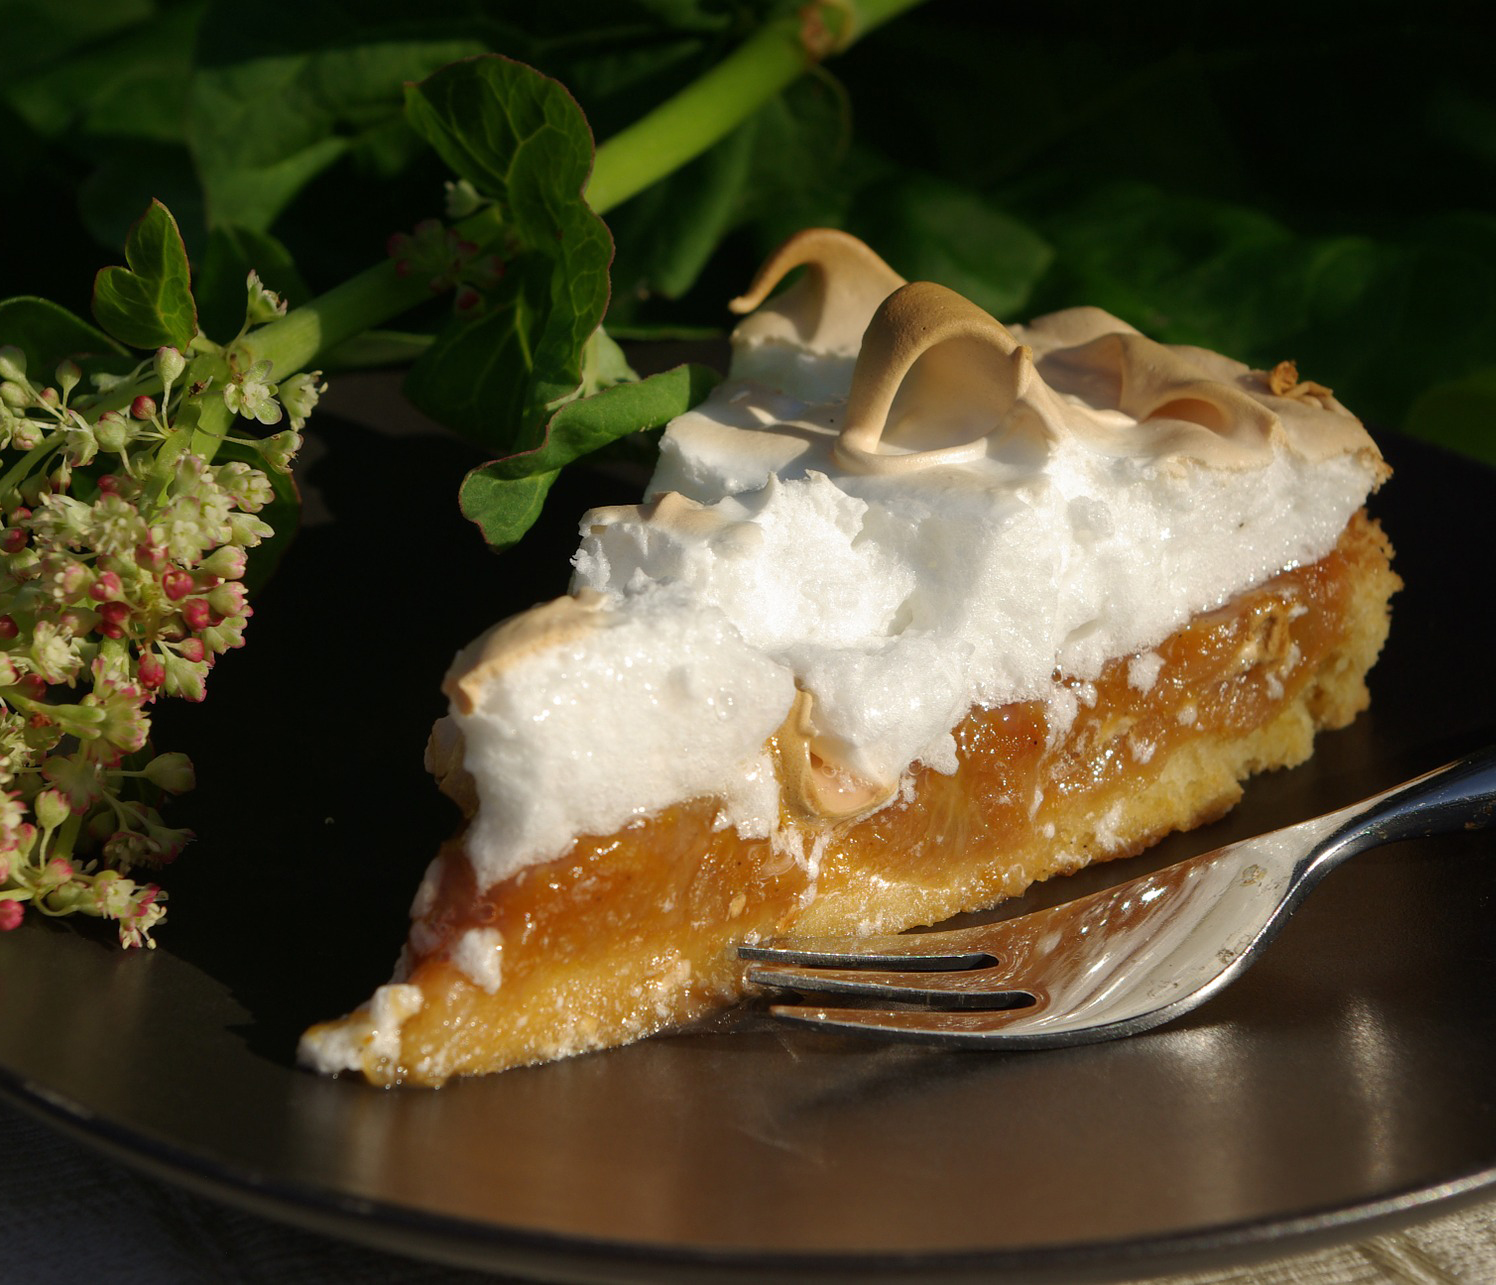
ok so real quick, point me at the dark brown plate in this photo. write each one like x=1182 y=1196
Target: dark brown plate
x=1343 y=1084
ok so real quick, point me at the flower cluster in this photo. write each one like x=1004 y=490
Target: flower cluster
x=122 y=556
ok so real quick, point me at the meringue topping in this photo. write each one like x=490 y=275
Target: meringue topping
x=894 y=509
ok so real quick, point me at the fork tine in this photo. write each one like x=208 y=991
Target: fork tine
x=954 y=948
x=959 y=988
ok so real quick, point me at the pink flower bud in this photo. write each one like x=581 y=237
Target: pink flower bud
x=114 y=613
x=152 y=671
x=14 y=540
x=106 y=585
x=143 y=407
x=193 y=651
x=8 y=627
x=197 y=613
x=176 y=584
x=150 y=556
x=11 y=914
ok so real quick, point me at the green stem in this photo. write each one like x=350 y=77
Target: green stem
x=294 y=341
x=675 y=132
x=21 y=469
x=67 y=835
x=712 y=107
x=361 y=303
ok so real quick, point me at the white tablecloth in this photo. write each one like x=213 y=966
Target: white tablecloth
x=69 y=1214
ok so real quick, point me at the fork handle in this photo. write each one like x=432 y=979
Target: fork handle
x=1458 y=796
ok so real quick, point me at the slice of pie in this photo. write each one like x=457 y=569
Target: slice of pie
x=919 y=609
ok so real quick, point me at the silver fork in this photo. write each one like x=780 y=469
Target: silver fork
x=1120 y=961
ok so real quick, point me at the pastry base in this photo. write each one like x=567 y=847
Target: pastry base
x=635 y=932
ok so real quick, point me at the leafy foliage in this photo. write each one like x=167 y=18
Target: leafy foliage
x=504 y=497
x=149 y=304
x=519 y=139
x=46 y=333
x=276 y=103
x=1303 y=187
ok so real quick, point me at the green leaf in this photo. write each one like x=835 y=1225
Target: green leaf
x=117 y=74
x=47 y=332
x=492 y=379
x=39 y=36
x=504 y=508
x=477 y=377
x=514 y=134
x=149 y=304
x=504 y=497
x=586 y=425
x=520 y=138
x=281 y=98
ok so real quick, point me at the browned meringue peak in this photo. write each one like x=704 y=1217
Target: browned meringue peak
x=1187 y=401
x=938 y=381
x=937 y=378
x=814 y=780
x=691 y=521
x=552 y=624
x=830 y=306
